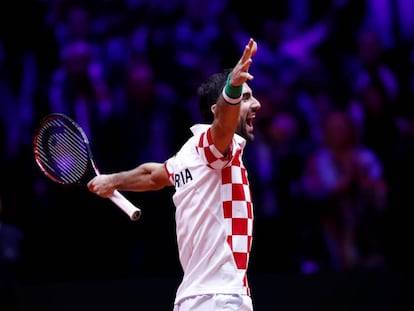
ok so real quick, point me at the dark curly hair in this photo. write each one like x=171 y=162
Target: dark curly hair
x=208 y=93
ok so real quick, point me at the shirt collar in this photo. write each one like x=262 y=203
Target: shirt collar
x=199 y=128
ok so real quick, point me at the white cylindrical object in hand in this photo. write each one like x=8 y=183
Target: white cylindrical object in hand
x=130 y=209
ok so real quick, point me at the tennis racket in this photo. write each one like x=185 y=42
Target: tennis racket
x=63 y=153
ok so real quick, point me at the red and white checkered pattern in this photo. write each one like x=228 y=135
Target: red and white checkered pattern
x=237 y=204
x=213 y=206
x=211 y=155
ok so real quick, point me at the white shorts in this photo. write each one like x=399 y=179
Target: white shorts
x=216 y=302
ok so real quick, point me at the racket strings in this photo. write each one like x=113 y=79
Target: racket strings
x=63 y=151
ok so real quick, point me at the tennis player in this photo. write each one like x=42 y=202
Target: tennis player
x=214 y=210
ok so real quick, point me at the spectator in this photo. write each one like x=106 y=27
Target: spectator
x=344 y=182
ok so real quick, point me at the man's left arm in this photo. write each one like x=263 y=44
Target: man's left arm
x=227 y=112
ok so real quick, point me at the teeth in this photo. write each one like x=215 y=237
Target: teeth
x=249 y=120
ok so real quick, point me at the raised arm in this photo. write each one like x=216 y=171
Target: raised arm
x=227 y=109
x=146 y=177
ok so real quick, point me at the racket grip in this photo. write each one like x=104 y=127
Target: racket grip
x=131 y=210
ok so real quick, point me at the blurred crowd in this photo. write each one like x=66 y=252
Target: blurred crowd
x=331 y=165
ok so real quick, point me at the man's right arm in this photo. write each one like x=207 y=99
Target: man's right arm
x=146 y=177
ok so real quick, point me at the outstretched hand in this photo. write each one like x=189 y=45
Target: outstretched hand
x=240 y=73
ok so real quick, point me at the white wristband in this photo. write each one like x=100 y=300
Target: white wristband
x=229 y=100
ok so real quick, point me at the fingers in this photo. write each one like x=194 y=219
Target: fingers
x=90 y=185
x=253 y=48
x=240 y=72
x=93 y=187
x=249 y=50
x=246 y=60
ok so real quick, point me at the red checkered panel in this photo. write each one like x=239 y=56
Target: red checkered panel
x=238 y=212
x=237 y=204
x=212 y=156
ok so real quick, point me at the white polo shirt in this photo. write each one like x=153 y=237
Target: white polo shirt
x=214 y=215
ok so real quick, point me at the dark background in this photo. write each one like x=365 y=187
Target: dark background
x=79 y=251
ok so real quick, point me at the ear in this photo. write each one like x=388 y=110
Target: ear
x=213 y=108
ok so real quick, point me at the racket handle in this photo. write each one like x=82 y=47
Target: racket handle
x=131 y=210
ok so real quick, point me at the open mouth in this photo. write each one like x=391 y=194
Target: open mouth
x=249 y=120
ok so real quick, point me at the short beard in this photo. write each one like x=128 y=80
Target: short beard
x=241 y=130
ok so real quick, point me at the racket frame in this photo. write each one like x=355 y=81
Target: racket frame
x=117 y=198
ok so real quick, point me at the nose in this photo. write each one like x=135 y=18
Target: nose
x=255 y=104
